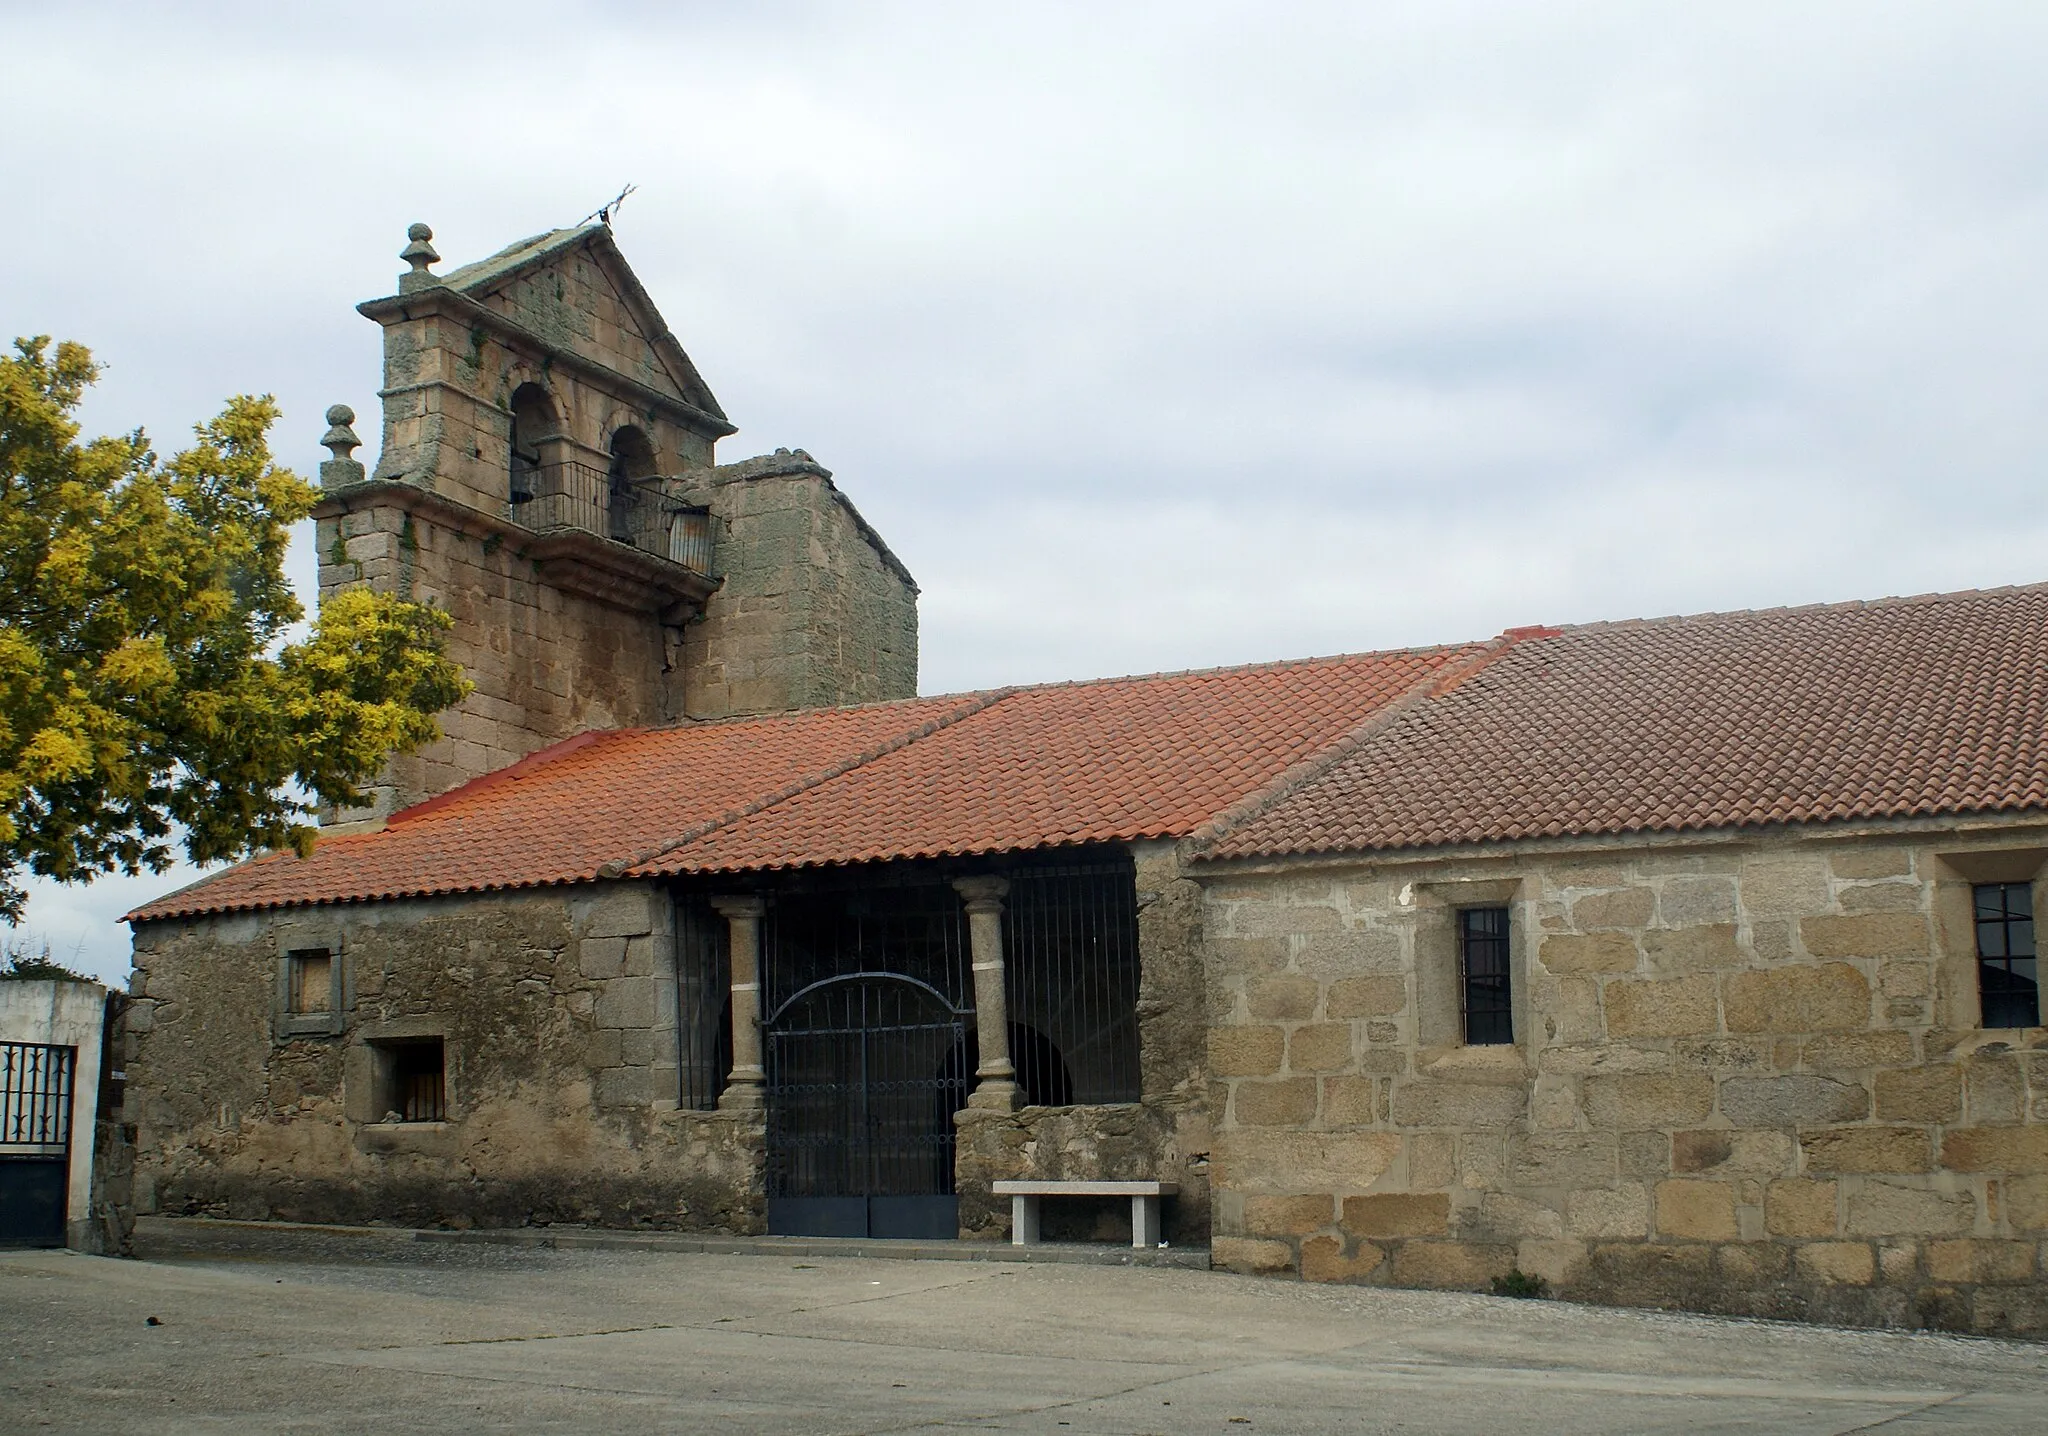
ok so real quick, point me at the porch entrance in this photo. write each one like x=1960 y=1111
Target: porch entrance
x=867 y=1021
x=35 y=1142
x=864 y=1075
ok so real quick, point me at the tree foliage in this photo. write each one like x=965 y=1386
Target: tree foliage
x=151 y=693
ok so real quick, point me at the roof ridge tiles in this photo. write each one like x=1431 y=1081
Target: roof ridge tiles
x=1429 y=685
x=1909 y=600
x=983 y=700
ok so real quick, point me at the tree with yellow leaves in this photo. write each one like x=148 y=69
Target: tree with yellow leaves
x=149 y=696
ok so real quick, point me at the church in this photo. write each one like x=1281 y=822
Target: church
x=1683 y=962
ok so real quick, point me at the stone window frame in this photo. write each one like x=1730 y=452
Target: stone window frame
x=293 y=942
x=1439 y=1004
x=363 y=1075
x=1959 y=1005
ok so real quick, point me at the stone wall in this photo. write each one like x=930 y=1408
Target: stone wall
x=1163 y=1136
x=812 y=611
x=547 y=663
x=557 y=1016
x=1747 y=1078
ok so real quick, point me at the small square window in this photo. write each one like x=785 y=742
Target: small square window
x=1483 y=976
x=312 y=981
x=412 y=1083
x=2007 y=982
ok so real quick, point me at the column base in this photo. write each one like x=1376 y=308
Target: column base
x=746 y=1098
x=996 y=1097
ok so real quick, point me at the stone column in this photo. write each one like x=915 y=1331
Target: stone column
x=996 y=1080
x=745 y=1086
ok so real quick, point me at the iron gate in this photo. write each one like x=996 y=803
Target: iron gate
x=865 y=1072
x=35 y=1142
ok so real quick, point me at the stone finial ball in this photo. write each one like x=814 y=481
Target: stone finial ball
x=341 y=414
x=419 y=234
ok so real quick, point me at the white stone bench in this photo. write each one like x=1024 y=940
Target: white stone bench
x=1144 y=1197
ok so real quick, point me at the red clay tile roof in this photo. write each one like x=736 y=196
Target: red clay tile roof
x=566 y=811
x=1893 y=709
x=1115 y=759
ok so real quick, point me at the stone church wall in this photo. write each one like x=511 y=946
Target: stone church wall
x=547 y=663
x=556 y=1013
x=1747 y=1079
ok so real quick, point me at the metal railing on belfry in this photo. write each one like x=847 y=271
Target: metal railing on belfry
x=638 y=512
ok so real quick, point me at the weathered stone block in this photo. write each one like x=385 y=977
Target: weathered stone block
x=1287 y=1102
x=1250 y=1256
x=1287 y=1216
x=1262 y=1162
x=1966 y=1261
x=1564 y=953
x=1644 y=1154
x=1319 y=1047
x=1848 y=1051
x=1872 y=863
x=1245 y=1051
x=1887 y=1209
x=2026 y=1203
x=1867 y=1149
x=1432 y=1161
x=1877 y=934
x=2017 y=1150
x=1827 y=997
x=1694 y=949
x=1563 y=1159
x=628 y=1002
x=1697 y=902
x=1673 y=1008
x=1798 y=1207
x=1838 y=1263
x=625 y=1087
x=1696 y=1210
x=1649 y=1100
x=1628 y=907
x=601 y=957
x=1366 y=997
x=1284 y=997
x=1451 y=1266
x=1504 y=1216
x=1732 y=1152
x=1350 y=1101
x=1993 y=1089
x=1398 y=1214
x=1779 y=886
x=622 y=912
x=1882 y=897
x=1324 y=1259
x=1428 y=1103
x=1608 y=1212
x=1792 y=1101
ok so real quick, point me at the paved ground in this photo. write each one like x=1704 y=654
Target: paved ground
x=337 y=1335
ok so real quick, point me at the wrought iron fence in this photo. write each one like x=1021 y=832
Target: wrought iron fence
x=637 y=512
x=35 y=1095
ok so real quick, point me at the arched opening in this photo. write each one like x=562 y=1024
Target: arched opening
x=632 y=460
x=534 y=423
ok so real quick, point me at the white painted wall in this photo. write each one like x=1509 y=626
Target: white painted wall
x=65 y=1014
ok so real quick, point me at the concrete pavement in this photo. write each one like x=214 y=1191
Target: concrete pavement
x=342 y=1335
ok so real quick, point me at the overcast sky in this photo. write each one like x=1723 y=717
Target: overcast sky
x=1151 y=336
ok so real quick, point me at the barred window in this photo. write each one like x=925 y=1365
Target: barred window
x=2007 y=983
x=1483 y=976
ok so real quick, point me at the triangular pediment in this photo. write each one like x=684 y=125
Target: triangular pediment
x=571 y=289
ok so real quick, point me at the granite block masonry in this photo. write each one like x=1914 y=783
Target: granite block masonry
x=1747 y=1077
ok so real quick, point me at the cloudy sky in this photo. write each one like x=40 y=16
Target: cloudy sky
x=1152 y=336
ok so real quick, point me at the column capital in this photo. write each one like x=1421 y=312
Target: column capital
x=739 y=905
x=983 y=894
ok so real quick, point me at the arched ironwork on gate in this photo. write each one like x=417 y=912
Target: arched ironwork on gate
x=865 y=1072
